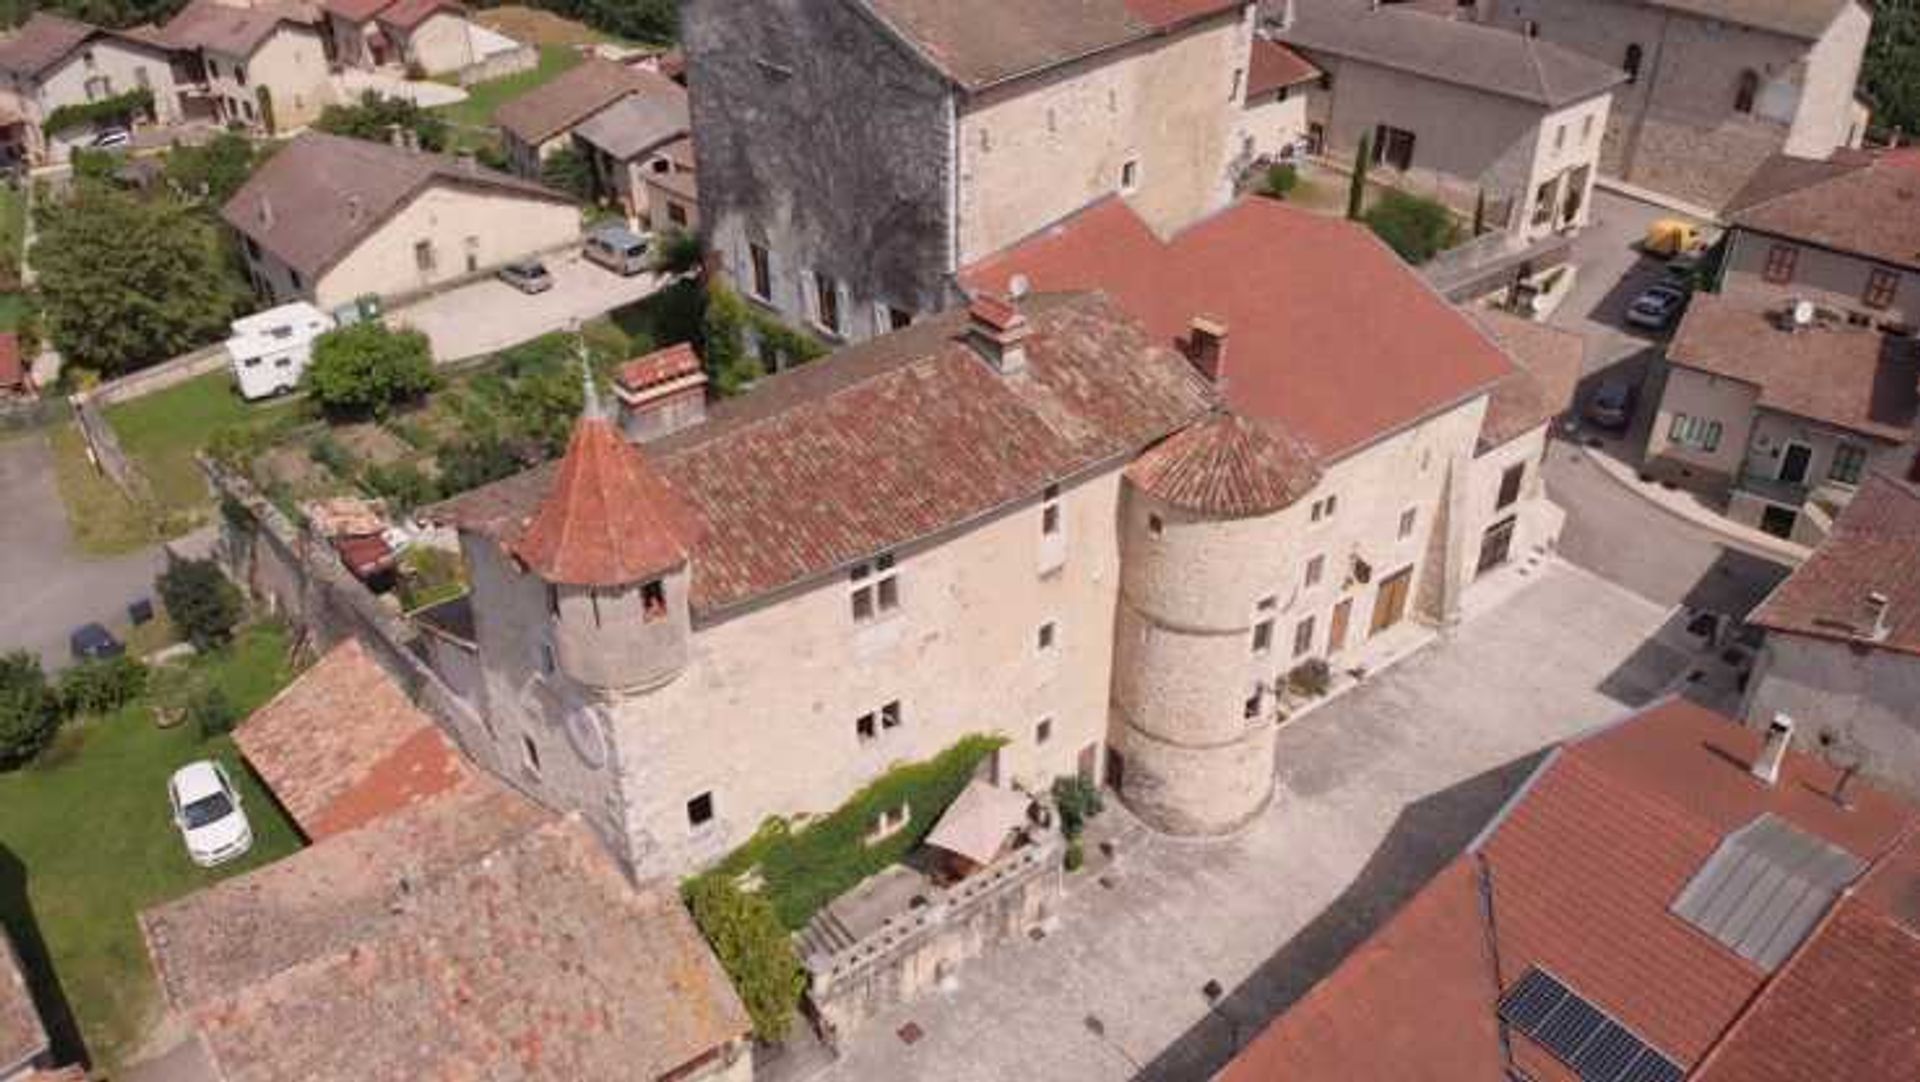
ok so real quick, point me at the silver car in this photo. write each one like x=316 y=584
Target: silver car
x=527 y=276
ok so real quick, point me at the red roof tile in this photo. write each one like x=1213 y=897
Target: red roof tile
x=609 y=519
x=1874 y=547
x=355 y=11
x=660 y=366
x=1335 y=341
x=1226 y=467
x=1547 y=366
x=409 y=14
x=1273 y=66
x=1852 y=203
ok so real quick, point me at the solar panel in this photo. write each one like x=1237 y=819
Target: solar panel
x=1581 y=1035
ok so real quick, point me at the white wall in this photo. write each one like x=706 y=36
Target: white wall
x=469 y=230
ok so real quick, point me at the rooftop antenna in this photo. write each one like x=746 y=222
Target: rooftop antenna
x=591 y=408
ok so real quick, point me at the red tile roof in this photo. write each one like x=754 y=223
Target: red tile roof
x=409 y=14
x=1874 y=547
x=343 y=746
x=13 y=372
x=1334 y=340
x=1226 y=467
x=1273 y=66
x=609 y=519
x=1852 y=203
x=660 y=366
x=1583 y=870
x=355 y=11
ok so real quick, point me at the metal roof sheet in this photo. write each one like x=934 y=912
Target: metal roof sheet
x=1765 y=888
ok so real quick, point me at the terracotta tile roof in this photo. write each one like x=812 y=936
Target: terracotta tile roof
x=22 y=1036
x=1583 y=869
x=1462 y=53
x=1874 y=547
x=577 y=94
x=1334 y=341
x=1272 y=66
x=1855 y=378
x=892 y=441
x=13 y=371
x=608 y=519
x=343 y=745
x=650 y=116
x=1227 y=467
x=660 y=366
x=320 y=195
x=991 y=41
x=355 y=11
x=409 y=14
x=1867 y=206
x=1548 y=362
x=225 y=28
x=43 y=41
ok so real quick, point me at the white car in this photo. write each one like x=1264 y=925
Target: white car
x=111 y=138
x=206 y=808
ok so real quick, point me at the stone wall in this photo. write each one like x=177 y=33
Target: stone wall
x=1859 y=698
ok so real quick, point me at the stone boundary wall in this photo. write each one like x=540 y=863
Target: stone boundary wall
x=159 y=377
x=499 y=65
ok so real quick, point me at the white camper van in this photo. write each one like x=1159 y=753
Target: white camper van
x=270 y=349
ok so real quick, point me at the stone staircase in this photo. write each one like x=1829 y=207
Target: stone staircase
x=824 y=936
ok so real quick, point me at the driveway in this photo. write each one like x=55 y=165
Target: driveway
x=1378 y=790
x=488 y=316
x=47 y=588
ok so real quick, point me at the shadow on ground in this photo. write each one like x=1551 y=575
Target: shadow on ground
x=1425 y=836
x=16 y=915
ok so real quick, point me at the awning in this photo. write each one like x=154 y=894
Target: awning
x=977 y=823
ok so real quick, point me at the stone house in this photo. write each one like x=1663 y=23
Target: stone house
x=1842 y=646
x=1781 y=418
x=1459 y=111
x=1714 y=87
x=855 y=154
x=263 y=66
x=1841 y=233
x=1275 y=119
x=771 y=601
x=52 y=61
x=330 y=219
x=538 y=124
x=432 y=37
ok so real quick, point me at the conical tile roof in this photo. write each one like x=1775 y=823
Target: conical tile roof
x=609 y=519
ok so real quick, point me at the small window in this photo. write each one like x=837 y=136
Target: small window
x=700 y=810
x=876 y=590
x=1849 y=462
x=1303 y=637
x=676 y=214
x=866 y=726
x=1530 y=28
x=1316 y=568
x=423 y=255
x=1046 y=636
x=1233 y=88
x=762 y=263
x=1510 y=482
x=826 y=299
x=1586 y=129
x=1781 y=260
x=1050 y=511
x=1407 y=520
x=548 y=663
x=1631 y=65
x=1746 y=92
x=1324 y=509
x=890 y=716
x=1155 y=526
x=529 y=755
x=553 y=600
x=1393 y=146
x=1043 y=731
x=1560 y=138
x=653 y=601
x=1882 y=286
x=1130 y=175
x=1263 y=636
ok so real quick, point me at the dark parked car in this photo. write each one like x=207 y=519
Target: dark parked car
x=1658 y=307
x=527 y=276
x=92 y=641
x=1612 y=403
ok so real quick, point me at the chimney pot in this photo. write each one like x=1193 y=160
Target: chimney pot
x=1766 y=766
x=1877 y=609
x=999 y=330
x=1207 y=348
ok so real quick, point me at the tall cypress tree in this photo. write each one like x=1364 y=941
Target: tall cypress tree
x=1357 y=188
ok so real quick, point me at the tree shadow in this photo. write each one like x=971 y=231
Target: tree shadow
x=1425 y=836
x=16 y=916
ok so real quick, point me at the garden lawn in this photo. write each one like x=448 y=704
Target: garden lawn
x=484 y=98
x=163 y=431
x=103 y=521
x=86 y=843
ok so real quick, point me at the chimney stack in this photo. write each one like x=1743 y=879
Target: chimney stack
x=1877 y=607
x=1207 y=348
x=999 y=330
x=266 y=212
x=1766 y=766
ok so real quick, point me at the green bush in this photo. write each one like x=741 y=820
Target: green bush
x=676 y=252
x=1417 y=228
x=1311 y=677
x=333 y=454
x=201 y=602
x=1076 y=856
x=1078 y=800
x=366 y=369
x=401 y=484
x=568 y=170
x=1281 y=180
x=101 y=685
x=121 y=108
x=753 y=948
x=374 y=117
x=211 y=712
x=471 y=463
x=29 y=712
x=805 y=869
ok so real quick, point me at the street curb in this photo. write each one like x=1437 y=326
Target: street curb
x=1793 y=556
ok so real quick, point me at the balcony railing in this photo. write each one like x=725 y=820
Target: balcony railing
x=1773 y=489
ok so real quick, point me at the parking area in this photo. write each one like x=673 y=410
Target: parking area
x=1377 y=791
x=488 y=316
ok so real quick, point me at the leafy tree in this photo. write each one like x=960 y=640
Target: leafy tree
x=202 y=603
x=734 y=366
x=93 y=166
x=401 y=483
x=753 y=948
x=568 y=170
x=1417 y=228
x=215 y=171
x=1281 y=180
x=125 y=283
x=677 y=253
x=1892 y=69
x=1357 y=186
x=365 y=369
x=101 y=685
x=474 y=462
x=374 y=117
x=210 y=711
x=29 y=714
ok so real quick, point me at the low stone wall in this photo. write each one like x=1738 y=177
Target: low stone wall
x=511 y=62
x=161 y=376
x=922 y=947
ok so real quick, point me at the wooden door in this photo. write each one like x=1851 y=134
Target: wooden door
x=1337 y=627
x=1390 y=603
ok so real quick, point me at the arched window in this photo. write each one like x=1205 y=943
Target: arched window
x=1632 y=64
x=1748 y=91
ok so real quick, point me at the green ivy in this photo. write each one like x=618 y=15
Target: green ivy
x=91 y=113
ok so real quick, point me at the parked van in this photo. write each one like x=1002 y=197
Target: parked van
x=618 y=249
x=270 y=350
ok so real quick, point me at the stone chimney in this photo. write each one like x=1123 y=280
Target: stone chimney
x=1207 y=348
x=1877 y=609
x=266 y=212
x=998 y=330
x=661 y=393
x=1766 y=766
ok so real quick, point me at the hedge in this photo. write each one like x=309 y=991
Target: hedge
x=89 y=114
x=802 y=870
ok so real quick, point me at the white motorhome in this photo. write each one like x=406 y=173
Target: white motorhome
x=270 y=349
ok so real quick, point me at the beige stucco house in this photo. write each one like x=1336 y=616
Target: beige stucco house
x=1459 y=111
x=263 y=66
x=855 y=154
x=1780 y=418
x=1274 y=122
x=430 y=37
x=1714 y=87
x=330 y=219
x=1841 y=233
x=52 y=61
x=1842 y=646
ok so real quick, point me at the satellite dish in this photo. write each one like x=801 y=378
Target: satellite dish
x=1018 y=286
x=1803 y=313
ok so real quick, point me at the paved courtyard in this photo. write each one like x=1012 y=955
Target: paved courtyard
x=1378 y=790
x=489 y=315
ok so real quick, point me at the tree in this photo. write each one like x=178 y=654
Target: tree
x=1357 y=187
x=126 y=283
x=1891 y=73
x=375 y=116
x=101 y=685
x=365 y=369
x=676 y=253
x=1418 y=229
x=567 y=170
x=753 y=948
x=473 y=462
x=29 y=714
x=215 y=171
x=201 y=602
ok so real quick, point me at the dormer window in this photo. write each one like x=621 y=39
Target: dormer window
x=653 y=601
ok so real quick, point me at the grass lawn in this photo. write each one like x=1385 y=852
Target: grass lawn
x=103 y=520
x=163 y=431
x=13 y=231
x=484 y=98
x=86 y=843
